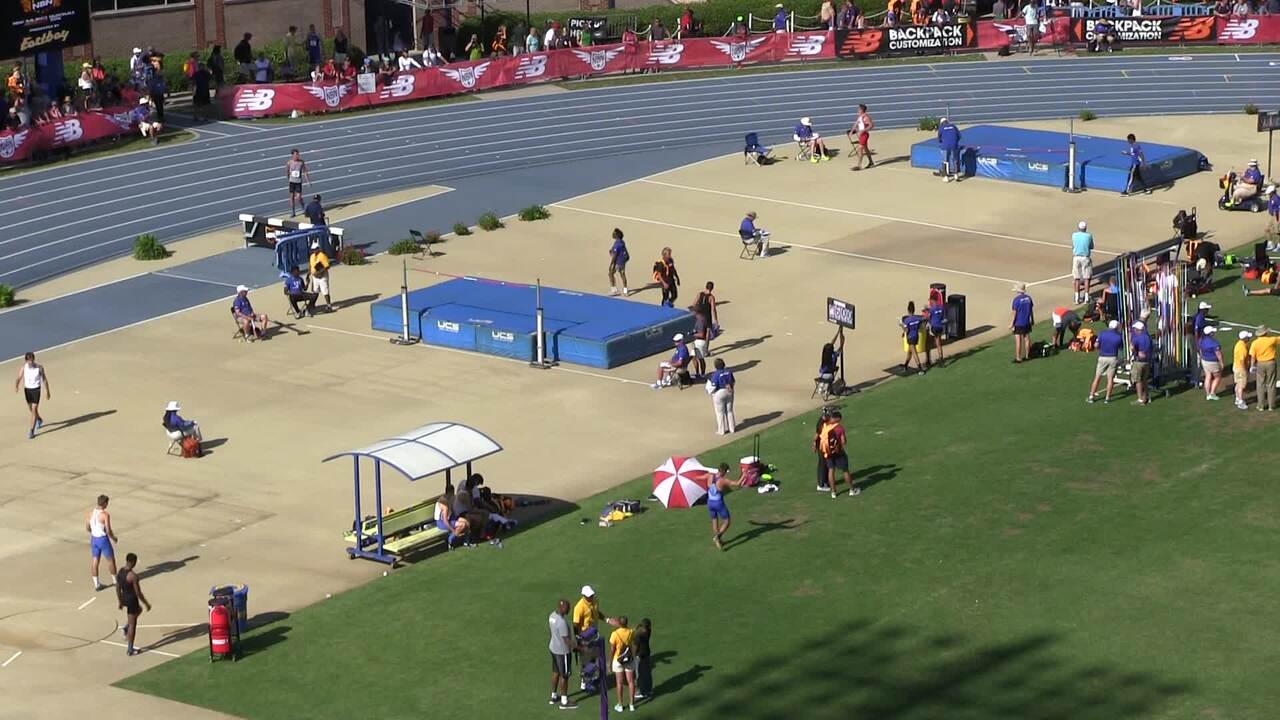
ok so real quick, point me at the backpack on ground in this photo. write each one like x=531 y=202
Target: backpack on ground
x=191 y=447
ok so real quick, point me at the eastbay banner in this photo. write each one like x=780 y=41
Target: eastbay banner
x=31 y=26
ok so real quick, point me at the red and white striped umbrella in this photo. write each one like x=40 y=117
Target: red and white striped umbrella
x=680 y=482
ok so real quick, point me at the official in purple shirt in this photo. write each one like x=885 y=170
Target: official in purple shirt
x=1211 y=361
x=1021 y=321
x=1110 y=341
x=1140 y=369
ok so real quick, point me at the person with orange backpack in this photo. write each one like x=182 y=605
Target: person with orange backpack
x=831 y=443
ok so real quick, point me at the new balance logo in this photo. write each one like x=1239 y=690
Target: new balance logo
x=806 y=45
x=254 y=100
x=400 y=87
x=1239 y=29
x=67 y=131
x=661 y=53
x=531 y=66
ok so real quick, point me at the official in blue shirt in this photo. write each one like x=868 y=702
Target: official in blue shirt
x=618 y=257
x=252 y=325
x=911 y=324
x=296 y=288
x=721 y=384
x=749 y=234
x=1198 y=323
x=1248 y=184
x=1022 y=320
x=1136 y=160
x=937 y=329
x=780 y=19
x=315 y=211
x=1110 y=341
x=805 y=135
x=173 y=422
x=1140 y=369
x=677 y=368
x=1211 y=361
x=949 y=139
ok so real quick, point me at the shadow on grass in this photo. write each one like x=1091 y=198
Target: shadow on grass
x=758 y=529
x=870 y=476
x=858 y=669
x=531 y=511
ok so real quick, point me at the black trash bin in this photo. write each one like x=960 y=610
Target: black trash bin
x=956 y=328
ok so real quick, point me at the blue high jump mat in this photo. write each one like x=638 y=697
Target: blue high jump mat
x=1039 y=157
x=499 y=319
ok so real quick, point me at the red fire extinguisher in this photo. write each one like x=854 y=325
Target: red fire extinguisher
x=220 y=639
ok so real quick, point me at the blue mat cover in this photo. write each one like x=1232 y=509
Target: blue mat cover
x=497 y=319
x=1039 y=157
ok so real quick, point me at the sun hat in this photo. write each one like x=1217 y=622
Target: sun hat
x=242 y=288
x=1113 y=324
x=805 y=121
x=172 y=406
x=137 y=50
x=1139 y=325
x=678 y=338
x=1209 y=330
x=1204 y=305
x=1253 y=162
x=1020 y=287
x=1083 y=225
x=1245 y=334
x=587 y=591
x=1263 y=330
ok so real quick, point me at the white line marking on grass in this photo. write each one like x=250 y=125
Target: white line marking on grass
x=86 y=603
x=874 y=216
x=784 y=243
x=561 y=368
x=162 y=273
x=141 y=650
x=12 y=657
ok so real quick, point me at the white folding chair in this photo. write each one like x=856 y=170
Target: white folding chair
x=175 y=441
x=804 y=150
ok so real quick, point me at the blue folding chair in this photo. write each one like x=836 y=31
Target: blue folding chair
x=753 y=153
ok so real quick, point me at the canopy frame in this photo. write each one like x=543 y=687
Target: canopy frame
x=422 y=452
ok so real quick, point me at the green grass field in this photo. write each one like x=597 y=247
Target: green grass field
x=1017 y=554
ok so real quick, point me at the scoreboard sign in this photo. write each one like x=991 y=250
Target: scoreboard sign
x=840 y=313
x=1268 y=121
x=31 y=26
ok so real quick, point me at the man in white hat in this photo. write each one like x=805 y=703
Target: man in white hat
x=319 y=278
x=805 y=135
x=676 y=367
x=779 y=18
x=143 y=117
x=1211 y=362
x=1081 y=260
x=1021 y=321
x=585 y=614
x=252 y=324
x=1248 y=184
x=1140 y=369
x=1110 y=341
x=174 y=422
x=1240 y=368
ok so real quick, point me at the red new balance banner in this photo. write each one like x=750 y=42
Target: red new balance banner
x=87 y=127
x=279 y=99
x=1251 y=30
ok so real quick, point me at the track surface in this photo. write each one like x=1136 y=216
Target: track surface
x=502 y=155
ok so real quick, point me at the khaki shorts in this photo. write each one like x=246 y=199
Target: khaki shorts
x=621 y=667
x=1081 y=268
x=1211 y=366
x=700 y=349
x=1107 y=366
x=1139 y=371
x=1241 y=377
x=320 y=284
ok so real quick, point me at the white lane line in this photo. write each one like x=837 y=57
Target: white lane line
x=140 y=650
x=87 y=603
x=126 y=327
x=243 y=126
x=874 y=216
x=1052 y=279
x=170 y=625
x=468 y=353
x=162 y=273
x=32 y=304
x=814 y=248
x=203 y=131
x=12 y=657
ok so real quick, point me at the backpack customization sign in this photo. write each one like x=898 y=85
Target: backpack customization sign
x=910 y=39
x=1143 y=30
x=31 y=26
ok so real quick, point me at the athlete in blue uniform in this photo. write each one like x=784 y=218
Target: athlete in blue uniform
x=716 y=506
x=911 y=323
x=949 y=139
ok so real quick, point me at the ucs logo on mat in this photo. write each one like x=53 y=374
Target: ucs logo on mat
x=807 y=45
x=1239 y=29
x=597 y=59
x=9 y=143
x=531 y=66
x=738 y=52
x=467 y=77
x=398 y=88
x=67 y=131
x=665 y=53
x=256 y=100
x=331 y=94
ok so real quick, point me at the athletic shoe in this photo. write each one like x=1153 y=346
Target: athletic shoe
x=1210 y=397
x=1242 y=406
x=31 y=434
x=555 y=700
x=815 y=161
x=613 y=291
x=1106 y=401
x=39 y=423
x=617 y=708
x=922 y=372
x=1089 y=399
x=626 y=292
x=834 y=495
x=655 y=386
x=855 y=492
x=946 y=178
x=822 y=488
x=632 y=708
x=715 y=540
x=130 y=652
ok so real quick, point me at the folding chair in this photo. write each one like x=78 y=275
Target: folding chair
x=750 y=248
x=424 y=245
x=175 y=441
x=804 y=150
x=288 y=304
x=239 y=330
x=753 y=153
x=822 y=384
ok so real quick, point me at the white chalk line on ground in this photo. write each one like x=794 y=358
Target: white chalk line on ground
x=162 y=273
x=170 y=625
x=874 y=216
x=140 y=650
x=561 y=368
x=12 y=657
x=86 y=603
x=814 y=248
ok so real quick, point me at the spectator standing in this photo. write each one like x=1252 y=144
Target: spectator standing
x=618 y=257
x=319 y=265
x=823 y=418
x=585 y=614
x=129 y=594
x=262 y=69
x=474 y=48
x=664 y=271
x=137 y=68
x=98 y=524
x=722 y=386
x=243 y=55
x=200 y=88
x=292 y=51
x=341 y=47
x=561 y=647
x=315 y=46
x=657 y=31
x=551 y=40
x=1211 y=360
x=1140 y=368
x=217 y=67
x=827 y=15
x=533 y=43
x=498 y=46
x=1109 y=343
x=156 y=88
x=32 y=378
x=1081 y=261
x=779 y=18
x=1262 y=352
x=1136 y=160
x=910 y=324
x=427 y=31
x=949 y=140
x=862 y=127
x=623 y=658
x=832 y=443
x=999 y=11
x=84 y=84
x=295 y=170
x=644 y=662
x=1020 y=322
x=1240 y=368
x=1031 y=22
x=1199 y=322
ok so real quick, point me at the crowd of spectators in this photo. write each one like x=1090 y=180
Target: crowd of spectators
x=26 y=104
